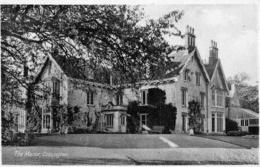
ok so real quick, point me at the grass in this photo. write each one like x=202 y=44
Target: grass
x=237 y=140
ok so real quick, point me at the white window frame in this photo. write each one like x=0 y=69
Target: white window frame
x=184 y=92
x=109 y=120
x=119 y=99
x=220 y=127
x=246 y=122
x=144 y=99
x=242 y=122
x=198 y=78
x=90 y=98
x=46 y=122
x=143 y=120
x=220 y=97
x=56 y=89
x=202 y=100
x=123 y=120
x=186 y=75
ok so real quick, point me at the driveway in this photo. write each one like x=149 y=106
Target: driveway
x=130 y=141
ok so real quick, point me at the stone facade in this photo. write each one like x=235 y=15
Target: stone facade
x=192 y=81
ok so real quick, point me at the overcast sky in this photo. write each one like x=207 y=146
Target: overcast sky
x=233 y=27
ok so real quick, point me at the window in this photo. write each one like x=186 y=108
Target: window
x=46 y=120
x=56 y=89
x=213 y=97
x=183 y=96
x=110 y=120
x=253 y=121
x=213 y=122
x=242 y=123
x=144 y=97
x=186 y=75
x=123 y=120
x=197 y=78
x=119 y=99
x=219 y=122
x=219 y=98
x=143 y=119
x=90 y=98
x=202 y=97
x=49 y=69
x=246 y=122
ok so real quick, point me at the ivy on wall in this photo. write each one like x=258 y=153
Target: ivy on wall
x=159 y=113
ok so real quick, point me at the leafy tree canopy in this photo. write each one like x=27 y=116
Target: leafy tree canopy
x=248 y=95
x=112 y=34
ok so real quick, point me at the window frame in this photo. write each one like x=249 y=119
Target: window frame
x=186 y=75
x=123 y=120
x=198 y=78
x=184 y=92
x=90 y=98
x=202 y=100
x=144 y=95
x=109 y=120
x=246 y=122
x=242 y=122
x=119 y=99
x=143 y=120
x=56 y=88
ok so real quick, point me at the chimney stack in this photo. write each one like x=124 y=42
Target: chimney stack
x=213 y=53
x=189 y=37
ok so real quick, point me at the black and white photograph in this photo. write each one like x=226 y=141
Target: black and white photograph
x=130 y=82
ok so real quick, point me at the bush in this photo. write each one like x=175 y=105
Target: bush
x=237 y=133
x=18 y=139
x=231 y=125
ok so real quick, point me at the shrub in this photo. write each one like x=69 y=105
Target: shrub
x=18 y=139
x=237 y=133
x=231 y=125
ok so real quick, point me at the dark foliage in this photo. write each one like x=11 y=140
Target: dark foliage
x=156 y=96
x=231 y=125
x=237 y=133
x=159 y=113
x=195 y=116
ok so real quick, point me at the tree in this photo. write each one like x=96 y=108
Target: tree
x=248 y=95
x=159 y=113
x=195 y=116
x=156 y=96
x=112 y=35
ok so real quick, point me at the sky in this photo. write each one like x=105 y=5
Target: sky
x=234 y=28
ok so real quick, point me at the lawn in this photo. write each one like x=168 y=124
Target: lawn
x=130 y=141
x=238 y=140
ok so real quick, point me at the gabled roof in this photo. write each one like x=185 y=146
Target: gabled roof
x=212 y=70
x=74 y=68
x=181 y=59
